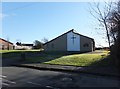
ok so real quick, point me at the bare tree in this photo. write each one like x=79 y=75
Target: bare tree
x=102 y=15
x=109 y=17
x=38 y=44
x=115 y=29
x=45 y=40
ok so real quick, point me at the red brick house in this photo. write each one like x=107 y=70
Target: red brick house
x=6 y=45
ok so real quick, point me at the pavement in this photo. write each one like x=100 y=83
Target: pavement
x=102 y=71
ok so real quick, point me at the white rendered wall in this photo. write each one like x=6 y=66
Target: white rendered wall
x=73 y=46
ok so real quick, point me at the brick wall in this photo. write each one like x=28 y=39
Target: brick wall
x=4 y=45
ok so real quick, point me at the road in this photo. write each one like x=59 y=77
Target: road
x=25 y=77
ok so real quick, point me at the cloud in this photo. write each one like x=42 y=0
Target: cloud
x=2 y=15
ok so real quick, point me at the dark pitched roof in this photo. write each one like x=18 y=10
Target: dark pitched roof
x=83 y=36
x=27 y=44
x=66 y=33
x=6 y=41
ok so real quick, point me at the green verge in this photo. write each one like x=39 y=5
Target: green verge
x=78 y=59
x=34 y=56
x=10 y=51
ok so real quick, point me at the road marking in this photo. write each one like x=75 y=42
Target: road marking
x=5 y=80
x=49 y=87
x=3 y=76
x=34 y=83
x=5 y=84
x=41 y=85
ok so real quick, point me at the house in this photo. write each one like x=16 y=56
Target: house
x=6 y=45
x=24 y=46
x=70 y=41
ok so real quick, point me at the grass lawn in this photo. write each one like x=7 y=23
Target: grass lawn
x=34 y=56
x=84 y=59
x=77 y=59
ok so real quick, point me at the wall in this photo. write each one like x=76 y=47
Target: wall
x=23 y=47
x=4 y=45
x=84 y=41
x=65 y=43
x=73 y=45
x=58 y=44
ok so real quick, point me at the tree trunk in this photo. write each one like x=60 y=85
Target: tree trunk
x=107 y=32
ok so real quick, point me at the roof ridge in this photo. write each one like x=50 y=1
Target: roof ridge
x=6 y=40
x=72 y=30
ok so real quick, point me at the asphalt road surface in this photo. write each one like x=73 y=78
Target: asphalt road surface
x=25 y=77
